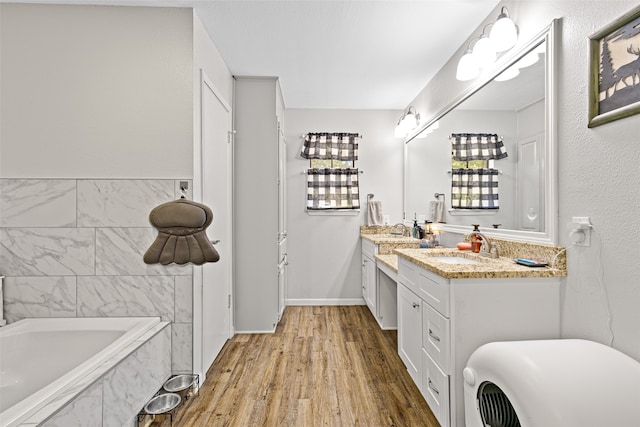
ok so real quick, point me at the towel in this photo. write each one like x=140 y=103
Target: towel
x=375 y=213
x=437 y=211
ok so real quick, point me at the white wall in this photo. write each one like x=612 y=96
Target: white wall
x=598 y=173
x=96 y=92
x=324 y=251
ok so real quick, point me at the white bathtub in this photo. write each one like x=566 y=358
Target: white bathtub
x=41 y=358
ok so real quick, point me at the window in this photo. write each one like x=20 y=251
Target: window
x=474 y=180
x=332 y=178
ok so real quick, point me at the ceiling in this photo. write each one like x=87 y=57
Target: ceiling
x=348 y=54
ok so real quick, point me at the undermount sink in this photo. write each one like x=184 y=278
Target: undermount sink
x=454 y=260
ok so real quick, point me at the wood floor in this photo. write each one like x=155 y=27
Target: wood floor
x=324 y=366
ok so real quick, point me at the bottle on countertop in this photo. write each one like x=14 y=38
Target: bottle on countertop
x=416 y=230
x=476 y=239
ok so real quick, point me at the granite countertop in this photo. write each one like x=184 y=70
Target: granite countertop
x=389 y=238
x=486 y=268
x=387 y=243
x=389 y=260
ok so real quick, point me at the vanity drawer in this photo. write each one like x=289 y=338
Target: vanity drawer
x=369 y=248
x=436 y=337
x=408 y=274
x=434 y=290
x=435 y=389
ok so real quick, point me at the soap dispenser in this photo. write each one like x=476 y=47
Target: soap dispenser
x=476 y=239
x=416 y=229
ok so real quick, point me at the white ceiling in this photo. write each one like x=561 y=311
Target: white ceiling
x=342 y=54
x=348 y=54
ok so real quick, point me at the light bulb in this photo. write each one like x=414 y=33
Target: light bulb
x=504 y=34
x=410 y=122
x=484 y=52
x=468 y=68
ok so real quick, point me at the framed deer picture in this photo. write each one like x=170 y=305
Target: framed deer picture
x=614 y=74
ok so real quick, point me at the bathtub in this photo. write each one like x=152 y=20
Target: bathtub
x=40 y=359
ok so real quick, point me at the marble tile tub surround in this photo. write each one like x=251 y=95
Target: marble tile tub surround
x=114 y=393
x=74 y=247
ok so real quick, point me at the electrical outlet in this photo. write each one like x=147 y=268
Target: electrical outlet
x=580 y=234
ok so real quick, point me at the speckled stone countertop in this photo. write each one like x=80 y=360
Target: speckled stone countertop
x=391 y=261
x=387 y=243
x=486 y=268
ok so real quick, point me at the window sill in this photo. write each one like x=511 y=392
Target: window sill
x=346 y=212
x=472 y=212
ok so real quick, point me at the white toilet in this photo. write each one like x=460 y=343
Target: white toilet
x=551 y=383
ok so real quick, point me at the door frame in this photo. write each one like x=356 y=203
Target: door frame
x=199 y=184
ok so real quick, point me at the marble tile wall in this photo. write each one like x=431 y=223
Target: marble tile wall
x=74 y=247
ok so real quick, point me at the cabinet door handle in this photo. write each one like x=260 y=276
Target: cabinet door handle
x=434 y=337
x=432 y=387
x=415 y=305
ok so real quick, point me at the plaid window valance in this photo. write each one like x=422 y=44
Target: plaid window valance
x=332 y=189
x=474 y=189
x=331 y=146
x=477 y=146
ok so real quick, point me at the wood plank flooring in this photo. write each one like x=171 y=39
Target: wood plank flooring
x=324 y=366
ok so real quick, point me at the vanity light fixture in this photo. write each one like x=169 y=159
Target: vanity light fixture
x=504 y=33
x=407 y=122
x=503 y=36
x=468 y=67
x=435 y=125
x=484 y=51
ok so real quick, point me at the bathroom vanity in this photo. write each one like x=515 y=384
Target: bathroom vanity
x=451 y=302
x=379 y=273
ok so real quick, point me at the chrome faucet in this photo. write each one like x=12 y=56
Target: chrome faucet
x=487 y=248
x=401 y=232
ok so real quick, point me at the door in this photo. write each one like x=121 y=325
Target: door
x=216 y=193
x=530 y=209
x=410 y=332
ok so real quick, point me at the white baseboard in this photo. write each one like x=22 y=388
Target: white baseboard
x=327 y=301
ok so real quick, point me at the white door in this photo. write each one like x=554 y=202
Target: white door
x=216 y=193
x=530 y=212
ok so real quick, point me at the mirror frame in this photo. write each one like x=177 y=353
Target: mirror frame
x=550 y=234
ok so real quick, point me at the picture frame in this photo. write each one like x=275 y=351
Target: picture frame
x=614 y=70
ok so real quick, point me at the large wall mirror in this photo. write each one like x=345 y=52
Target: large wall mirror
x=521 y=111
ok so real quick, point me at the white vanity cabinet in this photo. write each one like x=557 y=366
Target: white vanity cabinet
x=369 y=282
x=378 y=287
x=442 y=321
x=410 y=332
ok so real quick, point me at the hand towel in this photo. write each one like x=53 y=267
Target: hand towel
x=374 y=216
x=437 y=211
